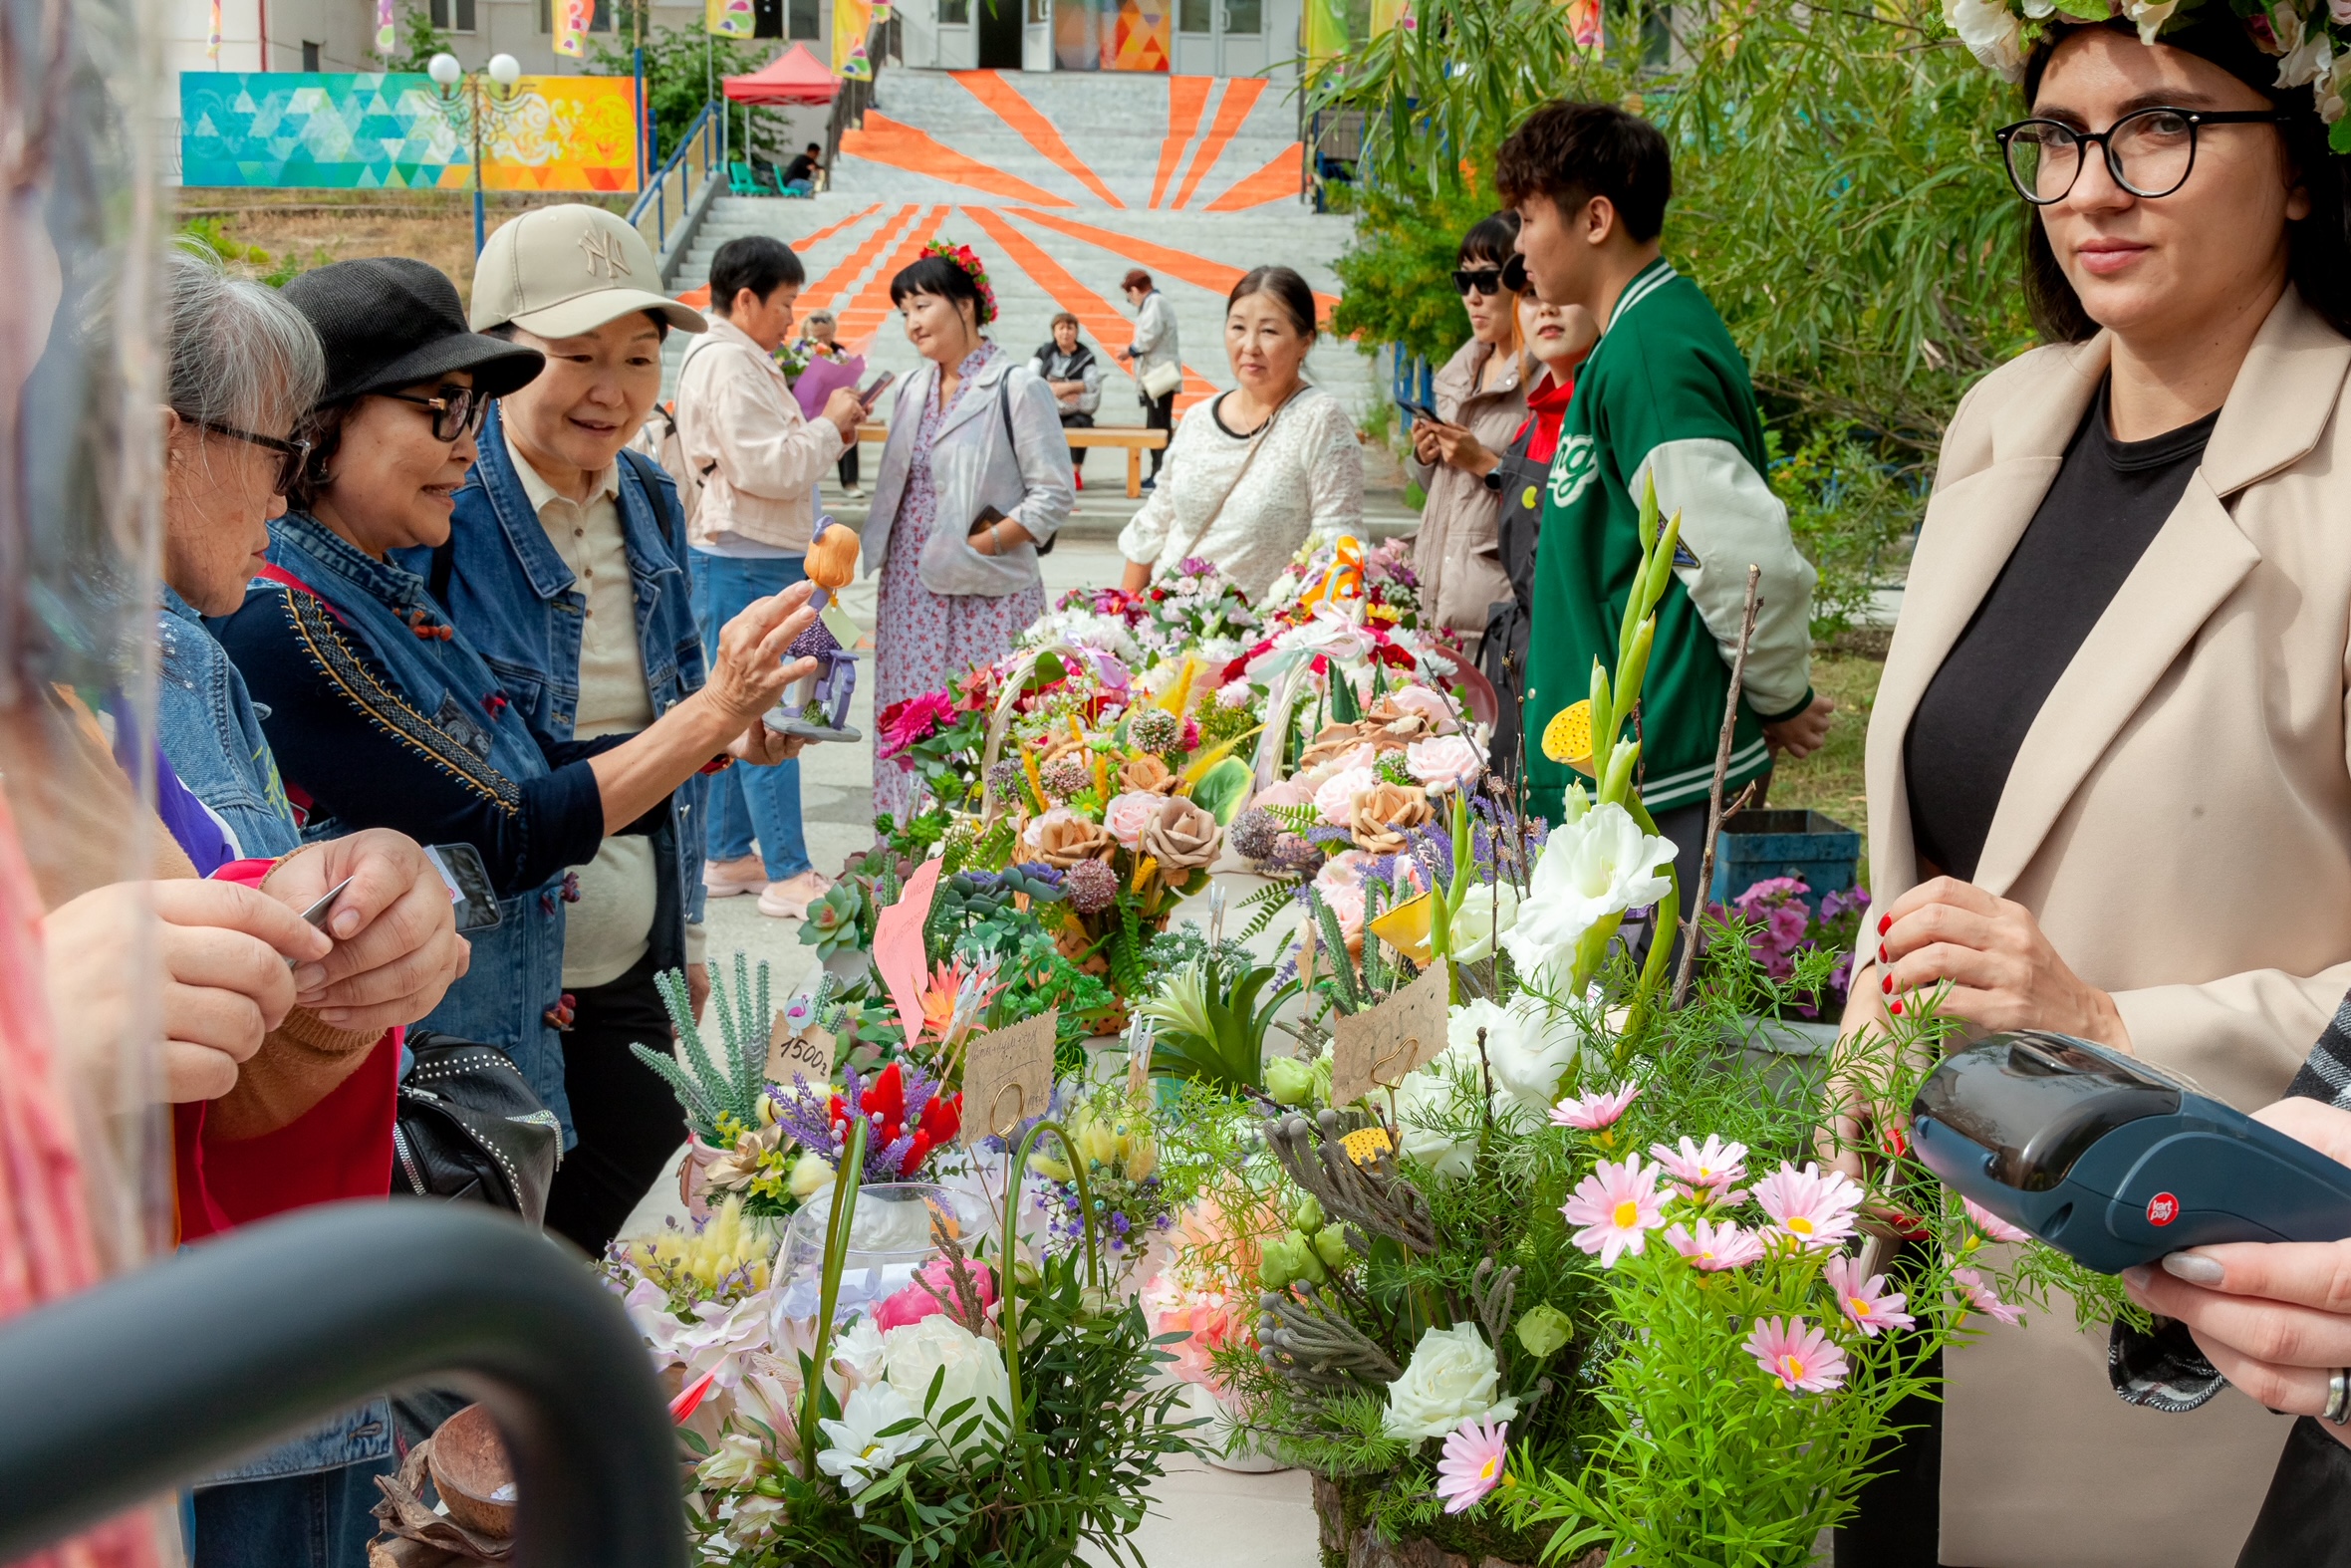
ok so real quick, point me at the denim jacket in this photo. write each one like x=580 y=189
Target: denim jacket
x=512 y=597
x=213 y=735
x=517 y=970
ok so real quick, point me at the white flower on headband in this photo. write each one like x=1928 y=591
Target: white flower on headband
x=1992 y=34
x=2306 y=64
x=2150 y=18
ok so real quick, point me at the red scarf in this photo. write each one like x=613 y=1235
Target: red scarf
x=1546 y=405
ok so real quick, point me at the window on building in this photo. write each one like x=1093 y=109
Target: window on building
x=454 y=16
x=807 y=19
x=1193 y=16
x=1244 y=18
x=767 y=18
x=955 y=13
x=310 y=54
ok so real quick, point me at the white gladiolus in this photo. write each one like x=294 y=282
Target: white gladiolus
x=1590 y=871
x=1484 y=909
x=1526 y=1051
x=1451 y=1379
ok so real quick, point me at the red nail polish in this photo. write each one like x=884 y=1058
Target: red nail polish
x=1886 y=983
x=1898 y=1010
x=1885 y=924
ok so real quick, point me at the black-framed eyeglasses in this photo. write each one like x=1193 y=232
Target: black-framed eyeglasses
x=292 y=454
x=2150 y=153
x=1483 y=280
x=456 y=410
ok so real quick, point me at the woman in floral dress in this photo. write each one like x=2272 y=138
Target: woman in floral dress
x=975 y=478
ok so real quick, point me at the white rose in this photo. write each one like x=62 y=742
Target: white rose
x=1436 y=1124
x=2334 y=88
x=1485 y=911
x=1590 y=870
x=2150 y=17
x=974 y=1369
x=1451 y=1379
x=857 y=1349
x=1994 y=35
x=1526 y=1051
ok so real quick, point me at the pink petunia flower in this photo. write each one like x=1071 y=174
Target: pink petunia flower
x=1716 y=1247
x=1797 y=1353
x=1475 y=1457
x=1713 y=1167
x=1866 y=1302
x=1592 y=1112
x=1810 y=1209
x=1982 y=1297
x=1618 y=1204
x=1992 y=1224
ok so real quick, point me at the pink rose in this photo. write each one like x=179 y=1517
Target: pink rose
x=1285 y=792
x=1343 y=870
x=1346 y=902
x=1128 y=815
x=1429 y=705
x=932 y=1288
x=1444 y=763
x=1335 y=797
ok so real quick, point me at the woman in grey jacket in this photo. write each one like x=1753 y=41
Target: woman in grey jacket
x=975 y=476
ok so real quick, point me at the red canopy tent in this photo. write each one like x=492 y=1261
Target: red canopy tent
x=793 y=77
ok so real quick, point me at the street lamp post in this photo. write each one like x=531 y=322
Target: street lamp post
x=479 y=104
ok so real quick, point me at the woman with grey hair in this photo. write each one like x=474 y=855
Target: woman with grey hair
x=307 y=1116
x=819 y=339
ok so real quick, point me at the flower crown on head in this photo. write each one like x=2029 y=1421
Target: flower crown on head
x=2310 y=39
x=966 y=258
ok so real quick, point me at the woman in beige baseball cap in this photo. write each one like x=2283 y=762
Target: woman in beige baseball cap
x=383 y=713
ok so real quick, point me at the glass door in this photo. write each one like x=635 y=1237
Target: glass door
x=958 y=39
x=1195 y=37
x=1243 y=52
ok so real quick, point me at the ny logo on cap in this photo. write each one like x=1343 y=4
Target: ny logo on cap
x=604 y=248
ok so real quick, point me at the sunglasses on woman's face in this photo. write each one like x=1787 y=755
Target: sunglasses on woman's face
x=1478 y=280
x=456 y=410
x=291 y=455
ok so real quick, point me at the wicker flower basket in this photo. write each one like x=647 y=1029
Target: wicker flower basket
x=1360 y=1546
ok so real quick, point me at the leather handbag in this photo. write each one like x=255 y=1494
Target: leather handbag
x=1162 y=379
x=470 y=1129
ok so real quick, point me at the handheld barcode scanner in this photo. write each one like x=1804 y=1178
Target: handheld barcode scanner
x=2113 y=1161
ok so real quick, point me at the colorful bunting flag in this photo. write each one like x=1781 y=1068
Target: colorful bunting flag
x=385 y=25
x=729 y=17
x=1387 y=14
x=1589 y=24
x=571 y=26
x=852 y=21
x=212 y=34
x=1326 y=29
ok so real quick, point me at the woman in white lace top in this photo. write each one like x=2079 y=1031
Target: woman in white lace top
x=1255 y=472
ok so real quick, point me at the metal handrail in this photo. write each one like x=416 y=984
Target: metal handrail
x=145 y=1383
x=654 y=200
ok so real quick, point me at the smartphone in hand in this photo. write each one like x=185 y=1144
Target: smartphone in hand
x=877 y=387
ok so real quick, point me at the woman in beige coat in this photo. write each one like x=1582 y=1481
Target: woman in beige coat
x=2108 y=790
x=1480 y=403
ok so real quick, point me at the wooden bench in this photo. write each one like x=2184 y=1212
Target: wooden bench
x=1134 y=439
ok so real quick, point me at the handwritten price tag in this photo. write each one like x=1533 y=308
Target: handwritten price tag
x=1377 y=1047
x=1009 y=1077
x=808 y=1055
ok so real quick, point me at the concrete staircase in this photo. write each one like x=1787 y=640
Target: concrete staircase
x=1023 y=180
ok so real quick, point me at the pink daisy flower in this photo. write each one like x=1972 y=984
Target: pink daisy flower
x=1474 y=1456
x=1982 y=1297
x=1618 y=1204
x=1592 y=1112
x=1992 y=1224
x=1714 y=1168
x=1866 y=1302
x=1797 y=1353
x=1809 y=1208
x=1716 y=1247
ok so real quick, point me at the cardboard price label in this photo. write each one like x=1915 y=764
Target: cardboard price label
x=1377 y=1047
x=809 y=1055
x=845 y=632
x=1009 y=1077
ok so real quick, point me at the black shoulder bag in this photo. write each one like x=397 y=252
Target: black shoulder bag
x=470 y=1129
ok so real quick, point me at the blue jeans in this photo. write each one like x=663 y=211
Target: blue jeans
x=293 y=1521
x=745 y=801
